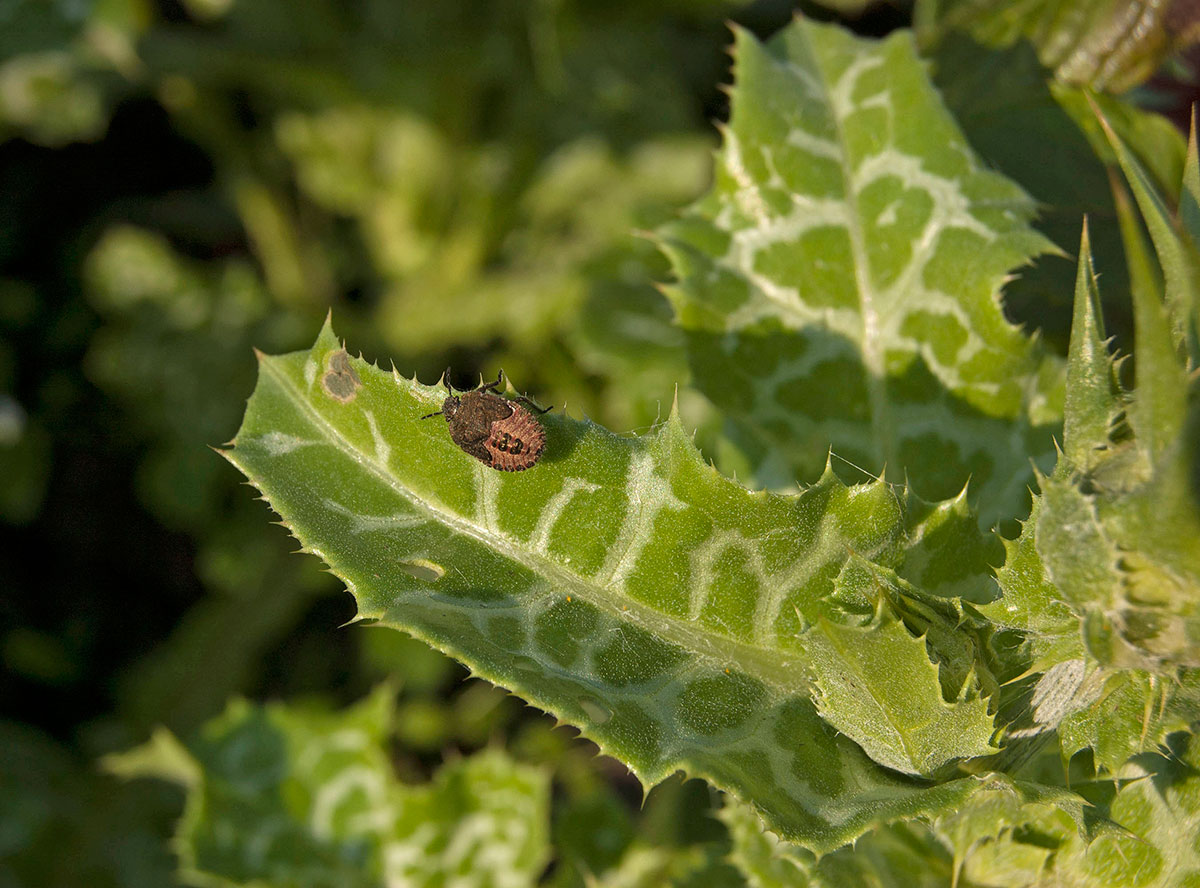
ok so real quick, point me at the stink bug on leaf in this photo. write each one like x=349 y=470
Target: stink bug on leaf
x=496 y=431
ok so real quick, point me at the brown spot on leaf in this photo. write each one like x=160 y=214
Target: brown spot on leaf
x=340 y=381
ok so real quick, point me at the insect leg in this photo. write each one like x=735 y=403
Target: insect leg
x=533 y=406
x=491 y=385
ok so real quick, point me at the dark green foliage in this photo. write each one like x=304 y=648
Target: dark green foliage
x=470 y=184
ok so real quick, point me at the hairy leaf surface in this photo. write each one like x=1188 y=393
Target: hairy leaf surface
x=839 y=284
x=1104 y=580
x=628 y=588
x=902 y=854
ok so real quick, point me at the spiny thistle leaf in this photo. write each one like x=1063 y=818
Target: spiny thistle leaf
x=876 y=684
x=903 y=854
x=1091 y=401
x=913 y=853
x=1105 y=578
x=1177 y=254
x=840 y=283
x=628 y=588
x=1154 y=836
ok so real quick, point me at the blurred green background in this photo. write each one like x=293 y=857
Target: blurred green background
x=184 y=180
x=180 y=182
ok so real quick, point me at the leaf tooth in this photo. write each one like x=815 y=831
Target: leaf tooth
x=829 y=476
x=958 y=504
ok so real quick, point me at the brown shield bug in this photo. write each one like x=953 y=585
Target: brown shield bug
x=496 y=431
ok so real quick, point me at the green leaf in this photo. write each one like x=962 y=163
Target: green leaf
x=877 y=685
x=621 y=584
x=1108 y=44
x=1189 y=195
x=646 y=866
x=980 y=833
x=282 y=795
x=839 y=284
x=1180 y=260
x=1154 y=839
x=1011 y=833
x=1090 y=405
x=1030 y=601
x=1153 y=706
x=1109 y=557
x=910 y=854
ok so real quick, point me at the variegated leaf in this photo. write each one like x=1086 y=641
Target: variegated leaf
x=294 y=796
x=679 y=620
x=840 y=283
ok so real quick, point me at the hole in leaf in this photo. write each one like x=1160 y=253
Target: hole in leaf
x=597 y=712
x=422 y=569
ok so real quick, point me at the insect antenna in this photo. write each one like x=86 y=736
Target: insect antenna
x=491 y=386
x=427 y=415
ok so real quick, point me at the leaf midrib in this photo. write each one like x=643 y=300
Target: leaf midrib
x=871 y=344
x=758 y=662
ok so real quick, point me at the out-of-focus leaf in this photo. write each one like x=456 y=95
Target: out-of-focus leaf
x=420 y=669
x=1045 y=136
x=217 y=648
x=282 y=795
x=171 y=350
x=24 y=462
x=1153 y=139
x=48 y=97
x=61 y=823
x=1189 y=194
x=1179 y=257
x=62 y=66
x=839 y=285
x=592 y=833
x=1106 y=44
x=650 y=867
x=1010 y=116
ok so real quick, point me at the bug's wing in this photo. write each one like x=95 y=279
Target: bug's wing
x=475 y=417
x=476 y=448
x=495 y=408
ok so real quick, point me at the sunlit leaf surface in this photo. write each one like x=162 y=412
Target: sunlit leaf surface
x=678 y=619
x=840 y=283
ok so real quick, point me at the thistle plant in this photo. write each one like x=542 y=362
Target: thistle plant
x=883 y=685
